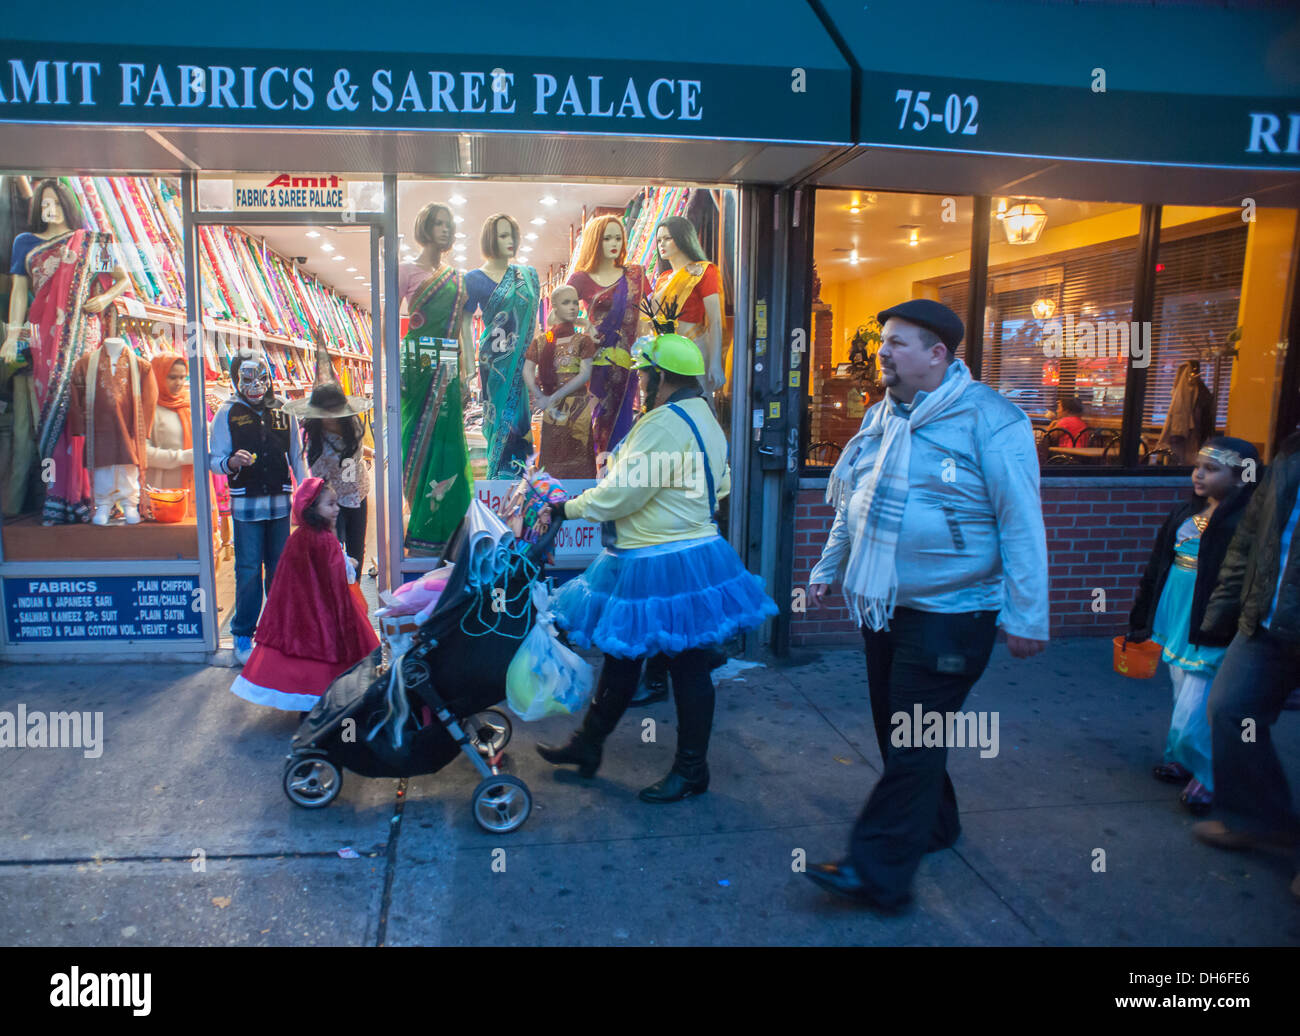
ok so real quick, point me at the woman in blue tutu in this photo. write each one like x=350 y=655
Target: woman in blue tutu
x=671 y=584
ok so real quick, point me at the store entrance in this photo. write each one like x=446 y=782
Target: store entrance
x=302 y=293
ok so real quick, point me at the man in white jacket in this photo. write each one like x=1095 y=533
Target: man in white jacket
x=938 y=539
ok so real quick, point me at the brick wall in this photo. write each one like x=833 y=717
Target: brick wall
x=1099 y=534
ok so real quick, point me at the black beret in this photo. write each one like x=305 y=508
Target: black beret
x=931 y=315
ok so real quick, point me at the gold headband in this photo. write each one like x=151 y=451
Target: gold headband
x=1228 y=458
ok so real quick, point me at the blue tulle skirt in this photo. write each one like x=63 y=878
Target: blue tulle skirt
x=665 y=599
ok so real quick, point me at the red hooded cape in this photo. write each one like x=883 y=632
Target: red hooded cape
x=311 y=612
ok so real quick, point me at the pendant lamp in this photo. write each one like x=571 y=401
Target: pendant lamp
x=1023 y=223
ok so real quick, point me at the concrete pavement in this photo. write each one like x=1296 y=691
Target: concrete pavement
x=179 y=833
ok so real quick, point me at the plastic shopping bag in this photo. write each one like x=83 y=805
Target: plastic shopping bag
x=546 y=678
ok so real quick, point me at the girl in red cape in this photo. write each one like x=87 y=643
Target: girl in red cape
x=314 y=626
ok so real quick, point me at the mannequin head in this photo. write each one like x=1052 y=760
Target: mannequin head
x=52 y=204
x=435 y=227
x=500 y=237
x=603 y=240
x=676 y=238
x=564 y=304
x=252 y=378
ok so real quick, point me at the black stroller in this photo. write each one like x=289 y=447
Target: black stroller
x=450 y=679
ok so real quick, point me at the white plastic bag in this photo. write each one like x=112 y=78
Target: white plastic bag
x=489 y=541
x=546 y=678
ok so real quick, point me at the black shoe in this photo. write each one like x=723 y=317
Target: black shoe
x=843 y=880
x=581 y=750
x=689 y=776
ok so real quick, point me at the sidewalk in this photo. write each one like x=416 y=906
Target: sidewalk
x=99 y=851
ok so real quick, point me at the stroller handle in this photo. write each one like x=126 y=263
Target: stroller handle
x=538 y=551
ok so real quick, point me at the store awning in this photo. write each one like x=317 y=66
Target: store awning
x=1186 y=86
x=677 y=70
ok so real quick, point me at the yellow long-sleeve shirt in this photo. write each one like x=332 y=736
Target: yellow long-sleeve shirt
x=656 y=491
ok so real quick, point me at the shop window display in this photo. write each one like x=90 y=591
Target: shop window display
x=495 y=368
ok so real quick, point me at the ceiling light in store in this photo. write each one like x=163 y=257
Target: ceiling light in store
x=550 y=200
x=530 y=236
x=313 y=233
x=853 y=257
x=537 y=221
x=915 y=238
x=1023 y=223
x=327 y=247
x=339 y=258
x=456 y=199
x=854 y=210
x=1044 y=308
x=358 y=277
x=460 y=219
x=352 y=269
x=460 y=233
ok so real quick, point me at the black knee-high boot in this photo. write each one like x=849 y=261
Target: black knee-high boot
x=694 y=697
x=618 y=679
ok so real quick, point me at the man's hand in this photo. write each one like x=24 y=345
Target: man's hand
x=240 y=459
x=816 y=592
x=1023 y=647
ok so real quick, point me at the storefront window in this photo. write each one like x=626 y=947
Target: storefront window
x=1058 y=328
x=94 y=419
x=1206 y=377
x=493 y=371
x=873 y=250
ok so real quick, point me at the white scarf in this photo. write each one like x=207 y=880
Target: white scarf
x=873 y=477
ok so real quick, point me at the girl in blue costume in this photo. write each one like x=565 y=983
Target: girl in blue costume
x=1175 y=588
x=671 y=585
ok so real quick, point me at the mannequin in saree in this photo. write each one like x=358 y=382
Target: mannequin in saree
x=114 y=394
x=435 y=358
x=689 y=282
x=611 y=290
x=507 y=295
x=71 y=277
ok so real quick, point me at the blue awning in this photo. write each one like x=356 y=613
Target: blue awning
x=752 y=70
x=1111 y=82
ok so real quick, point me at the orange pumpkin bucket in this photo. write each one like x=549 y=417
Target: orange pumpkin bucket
x=169 y=505
x=1137 y=660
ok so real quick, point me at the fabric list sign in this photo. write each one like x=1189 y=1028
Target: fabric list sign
x=102 y=608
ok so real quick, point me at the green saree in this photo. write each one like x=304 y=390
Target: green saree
x=436 y=477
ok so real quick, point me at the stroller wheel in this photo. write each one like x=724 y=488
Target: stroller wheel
x=311 y=781
x=501 y=804
x=489 y=731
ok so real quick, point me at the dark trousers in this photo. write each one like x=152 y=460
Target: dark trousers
x=693 y=696
x=351 y=528
x=933 y=660
x=1250 y=787
x=258 y=546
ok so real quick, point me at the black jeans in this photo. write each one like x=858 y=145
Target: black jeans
x=351 y=528
x=693 y=695
x=932 y=660
x=1250 y=786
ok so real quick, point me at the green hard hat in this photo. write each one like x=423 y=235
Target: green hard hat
x=675 y=353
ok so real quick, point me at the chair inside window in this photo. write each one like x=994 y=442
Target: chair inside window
x=822 y=454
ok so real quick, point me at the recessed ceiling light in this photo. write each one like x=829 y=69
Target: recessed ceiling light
x=327 y=247
x=537 y=221
x=854 y=209
x=460 y=219
x=456 y=199
x=530 y=236
x=550 y=200
x=460 y=233
x=339 y=258
x=313 y=233
x=358 y=277
x=352 y=269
